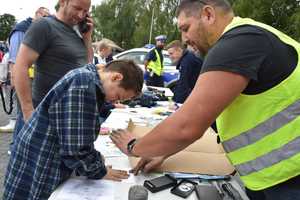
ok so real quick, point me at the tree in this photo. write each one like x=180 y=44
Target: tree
x=281 y=14
x=115 y=20
x=7 y=21
x=127 y=22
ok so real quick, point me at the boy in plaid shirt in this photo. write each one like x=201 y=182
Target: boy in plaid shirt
x=58 y=138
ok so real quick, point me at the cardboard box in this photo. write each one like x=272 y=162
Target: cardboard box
x=205 y=156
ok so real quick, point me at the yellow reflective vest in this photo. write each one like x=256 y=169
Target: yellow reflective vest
x=261 y=133
x=156 y=66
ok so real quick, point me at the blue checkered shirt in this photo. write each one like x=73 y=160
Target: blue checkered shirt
x=58 y=138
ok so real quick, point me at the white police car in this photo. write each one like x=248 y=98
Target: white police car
x=138 y=55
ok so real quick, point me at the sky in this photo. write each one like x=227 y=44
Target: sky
x=22 y=9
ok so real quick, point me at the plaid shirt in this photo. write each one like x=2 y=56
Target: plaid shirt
x=58 y=138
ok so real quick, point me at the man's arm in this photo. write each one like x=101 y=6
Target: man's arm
x=213 y=92
x=87 y=38
x=26 y=57
x=149 y=56
x=146 y=62
x=74 y=118
x=15 y=43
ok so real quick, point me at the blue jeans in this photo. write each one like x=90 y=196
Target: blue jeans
x=289 y=190
x=19 y=125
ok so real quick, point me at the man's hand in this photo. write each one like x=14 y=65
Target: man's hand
x=121 y=139
x=90 y=23
x=147 y=164
x=119 y=105
x=115 y=175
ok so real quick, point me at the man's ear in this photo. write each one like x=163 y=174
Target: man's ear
x=209 y=14
x=116 y=76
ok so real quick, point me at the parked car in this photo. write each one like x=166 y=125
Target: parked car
x=138 y=55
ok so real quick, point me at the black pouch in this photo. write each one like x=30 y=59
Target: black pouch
x=160 y=183
x=184 y=188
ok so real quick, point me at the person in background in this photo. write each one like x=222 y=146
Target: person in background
x=2 y=51
x=58 y=139
x=154 y=63
x=15 y=39
x=253 y=92
x=105 y=52
x=56 y=46
x=189 y=67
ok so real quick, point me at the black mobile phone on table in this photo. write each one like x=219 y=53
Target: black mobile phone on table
x=184 y=188
x=160 y=183
x=207 y=192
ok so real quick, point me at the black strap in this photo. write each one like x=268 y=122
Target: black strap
x=10 y=101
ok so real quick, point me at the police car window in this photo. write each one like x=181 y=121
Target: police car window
x=167 y=60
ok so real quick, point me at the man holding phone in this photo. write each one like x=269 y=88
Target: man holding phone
x=56 y=46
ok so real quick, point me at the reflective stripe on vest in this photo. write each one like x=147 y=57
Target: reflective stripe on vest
x=263 y=129
x=156 y=66
x=261 y=133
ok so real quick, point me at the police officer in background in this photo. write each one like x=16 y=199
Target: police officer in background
x=154 y=63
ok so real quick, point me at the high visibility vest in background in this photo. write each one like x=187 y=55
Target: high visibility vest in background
x=31 y=71
x=156 y=66
x=261 y=133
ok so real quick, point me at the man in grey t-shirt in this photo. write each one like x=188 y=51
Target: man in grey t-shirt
x=55 y=48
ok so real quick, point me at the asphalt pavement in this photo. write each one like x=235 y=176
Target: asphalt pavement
x=5 y=139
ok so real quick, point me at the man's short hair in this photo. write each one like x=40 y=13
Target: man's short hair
x=133 y=77
x=40 y=10
x=175 y=44
x=193 y=6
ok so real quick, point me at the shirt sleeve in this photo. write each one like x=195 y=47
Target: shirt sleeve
x=15 y=42
x=238 y=53
x=77 y=126
x=38 y=36
x=150 y=56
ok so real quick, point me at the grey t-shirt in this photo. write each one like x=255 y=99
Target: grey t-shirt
x=60 y=50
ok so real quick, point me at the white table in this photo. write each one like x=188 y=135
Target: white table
x=82 y=189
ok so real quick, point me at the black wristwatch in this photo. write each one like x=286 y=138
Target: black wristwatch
x=130 y=146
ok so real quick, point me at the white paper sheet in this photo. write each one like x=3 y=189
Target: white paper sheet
x=84 y=189
x=107 y=148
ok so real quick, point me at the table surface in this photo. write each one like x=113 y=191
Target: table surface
x=83 y=189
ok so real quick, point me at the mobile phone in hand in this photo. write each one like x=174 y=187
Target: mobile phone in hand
x=83 y=26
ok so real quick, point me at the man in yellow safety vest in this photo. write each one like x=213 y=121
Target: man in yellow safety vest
x=154 y=63
x=250 y=83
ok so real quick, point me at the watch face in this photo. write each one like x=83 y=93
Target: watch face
x=184 y=187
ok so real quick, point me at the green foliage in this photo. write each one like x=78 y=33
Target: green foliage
x=281 y=14
x=128 y=22
x=7 y=22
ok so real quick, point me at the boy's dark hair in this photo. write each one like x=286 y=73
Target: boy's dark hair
x=175 y=44
x=192 y=7
x=133 y=77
